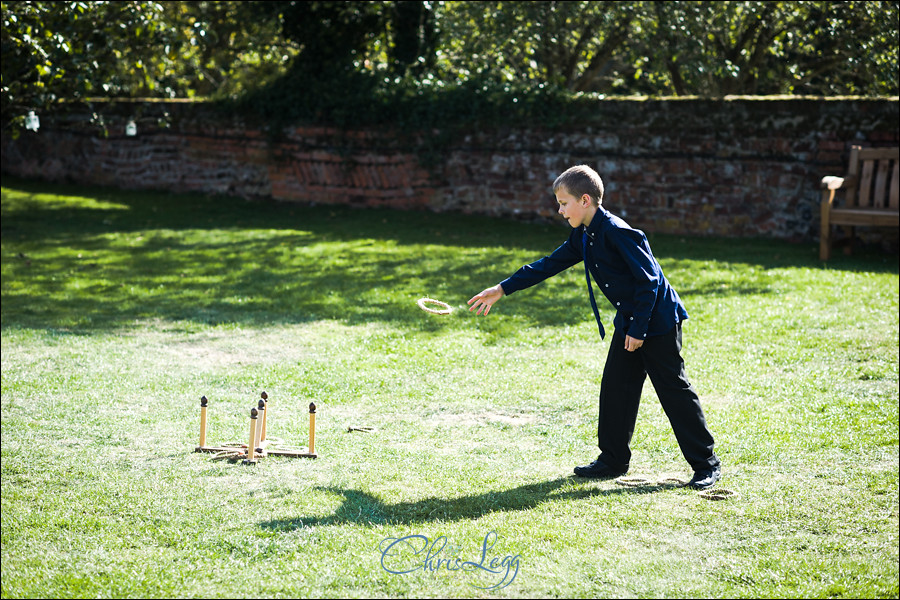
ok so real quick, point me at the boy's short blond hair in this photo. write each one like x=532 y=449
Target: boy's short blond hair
x=580 y=180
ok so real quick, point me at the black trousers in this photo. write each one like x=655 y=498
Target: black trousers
x=620 y=394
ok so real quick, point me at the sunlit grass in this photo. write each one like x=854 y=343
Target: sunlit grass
x=120 y=309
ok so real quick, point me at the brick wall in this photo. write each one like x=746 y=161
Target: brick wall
x=736 y=167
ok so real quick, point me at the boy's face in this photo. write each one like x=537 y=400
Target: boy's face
x=577 y=211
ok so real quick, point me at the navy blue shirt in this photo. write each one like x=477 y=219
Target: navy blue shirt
x=620 y=261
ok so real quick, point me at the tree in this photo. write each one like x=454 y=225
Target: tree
x=721 y=48
x=570 y=45
x=398 y=36
x=223 y=48
x=72 y=49
x=331 y=57
x=676 y=48
x=77 y=50
x=413 y=38
x=331 y=36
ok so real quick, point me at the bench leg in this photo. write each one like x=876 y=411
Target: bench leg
x=825 y=244
x=851 y=234
x=825 y=247
x=825 y=233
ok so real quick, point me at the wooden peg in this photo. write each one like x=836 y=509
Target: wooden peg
x=264 y=405
x=251 y=447
x=203 y=403
x=261 y=429
x=312 y=427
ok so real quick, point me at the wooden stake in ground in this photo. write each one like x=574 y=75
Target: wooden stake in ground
x=203 y=403
x=265 y=405
x=259 y=446
x=251 y=447
x=261 y=427
x=312 y=428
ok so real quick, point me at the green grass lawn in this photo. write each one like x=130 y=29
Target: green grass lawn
x=120 y=309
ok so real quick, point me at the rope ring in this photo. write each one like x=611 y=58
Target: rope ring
x=289 y=449
x=676 y=481
x=446 y=310
x=228 y=455
x=633 y=481
x=719 y=494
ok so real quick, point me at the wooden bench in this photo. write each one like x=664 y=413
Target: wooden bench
x=871 y=193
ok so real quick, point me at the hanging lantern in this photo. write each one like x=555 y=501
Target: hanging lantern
x=32 y=122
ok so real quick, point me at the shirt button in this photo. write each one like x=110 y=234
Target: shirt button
x=607 y=285
x=618 y=304
x=631 y=318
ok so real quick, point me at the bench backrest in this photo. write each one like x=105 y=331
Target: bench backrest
x=874 y=178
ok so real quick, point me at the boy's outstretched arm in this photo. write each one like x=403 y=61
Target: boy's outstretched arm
x=485 y=300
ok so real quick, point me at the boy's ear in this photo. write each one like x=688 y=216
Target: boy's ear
x=585 y=199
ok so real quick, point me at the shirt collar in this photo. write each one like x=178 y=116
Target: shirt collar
x=593 y=230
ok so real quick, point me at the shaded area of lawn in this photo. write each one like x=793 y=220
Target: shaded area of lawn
x=79 y=259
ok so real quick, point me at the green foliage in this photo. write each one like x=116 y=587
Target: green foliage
x=811 y=48
x=525 y=63
x=54 y=50
x=370 y=62
x=65 y=51
x=421 y=111
x=678 y=48
x=577 y=46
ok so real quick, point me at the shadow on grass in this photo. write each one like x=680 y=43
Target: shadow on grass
x=123 y=211
x=108 y=257
x=362 y=508
x=85 y=260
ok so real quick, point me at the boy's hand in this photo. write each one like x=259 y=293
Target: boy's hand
x=485 y=300
x=632 y=344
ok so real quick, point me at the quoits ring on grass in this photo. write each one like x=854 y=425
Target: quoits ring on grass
x=638 y=481
x=633 y=481
x=672 y=481
x=719 y=494
x=443 y=310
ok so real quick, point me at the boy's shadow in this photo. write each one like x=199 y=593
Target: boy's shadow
x=362 y=508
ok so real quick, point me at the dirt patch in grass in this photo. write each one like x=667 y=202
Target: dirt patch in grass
x=482 y=418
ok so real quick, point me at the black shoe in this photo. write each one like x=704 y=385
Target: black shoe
x=705 y=478
x=599 y=470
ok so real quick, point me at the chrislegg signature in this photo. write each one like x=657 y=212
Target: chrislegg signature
x=404 y=555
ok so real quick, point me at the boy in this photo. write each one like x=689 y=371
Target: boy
x=647 y=337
